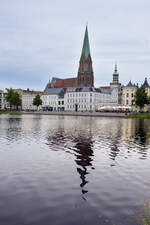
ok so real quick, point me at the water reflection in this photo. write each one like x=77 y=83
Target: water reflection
x=53 y=173
x=140 y=132
x=114 y=145
x=84 y=153
x=80 y=146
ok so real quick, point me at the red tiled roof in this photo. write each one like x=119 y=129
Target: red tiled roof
x=62 y=83
x=105 y=87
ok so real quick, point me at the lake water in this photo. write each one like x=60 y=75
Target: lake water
x=57 y=170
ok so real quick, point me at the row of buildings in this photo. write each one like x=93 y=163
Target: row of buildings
x=79 y=93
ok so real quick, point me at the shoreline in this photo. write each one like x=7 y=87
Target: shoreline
x=84 y=114
x=91 y=114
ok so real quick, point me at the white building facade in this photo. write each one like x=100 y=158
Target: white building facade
x=27 y=100
x=2 y=100
x=53 y=99
x=108 y=97
x=78 y=99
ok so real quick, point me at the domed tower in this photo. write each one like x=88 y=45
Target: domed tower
x=85 y=72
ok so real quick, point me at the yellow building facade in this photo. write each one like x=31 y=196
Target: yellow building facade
x=128 y=94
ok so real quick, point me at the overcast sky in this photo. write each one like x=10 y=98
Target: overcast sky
x=41 y=39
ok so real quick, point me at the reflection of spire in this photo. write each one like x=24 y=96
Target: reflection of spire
x=82 y=149
x=83 y=159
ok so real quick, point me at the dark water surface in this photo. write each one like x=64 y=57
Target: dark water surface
x=73 y=170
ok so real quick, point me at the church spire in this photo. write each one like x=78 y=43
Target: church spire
x=85 y=71
x=115 y=75
x=86 y=45
x=116 y=71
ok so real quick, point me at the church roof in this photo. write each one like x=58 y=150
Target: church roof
x=86 y=45
x=105 y=87
x=64 y=83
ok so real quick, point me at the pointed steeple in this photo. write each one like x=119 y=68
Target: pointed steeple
x=146 y=84
x=85 y=71
x=116 y=70
x=115 y=75
x=86 y=45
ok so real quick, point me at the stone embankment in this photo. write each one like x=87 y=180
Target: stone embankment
x=94 y=114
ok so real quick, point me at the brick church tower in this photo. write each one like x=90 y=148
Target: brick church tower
x=85 y=72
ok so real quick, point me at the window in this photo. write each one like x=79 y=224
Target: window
x=127 y=102
x=127 y=95
x=132 y=95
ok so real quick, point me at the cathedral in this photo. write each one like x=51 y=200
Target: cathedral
x=85 y=76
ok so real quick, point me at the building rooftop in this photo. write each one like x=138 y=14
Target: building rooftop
x=105 y=87
x=131 y=85
x=146 y=84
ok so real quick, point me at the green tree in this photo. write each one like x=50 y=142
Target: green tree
x=12 y=98
x=16 y=101
x=9 y=96
x=141 y=97
x=37 y=101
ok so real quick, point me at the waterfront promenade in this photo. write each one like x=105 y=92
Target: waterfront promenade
x=94 y=114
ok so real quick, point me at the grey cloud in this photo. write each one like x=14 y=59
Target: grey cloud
x=44 y=38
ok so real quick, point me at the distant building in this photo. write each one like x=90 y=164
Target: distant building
x=85 y=72
x=2 y=100
x=62 y=83
x=79 y=94
x=53 y=99
x=128 y=94
x=89 y=98
x=78 y=99
x=85 y=76
x=27 y=97
x=115 y=83
x=81 y=99
x=108 y=97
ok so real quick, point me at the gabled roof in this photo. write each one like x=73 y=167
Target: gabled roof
x=53 y=91
x=64 y=83
x=105 y=87
x=86 y=45
x=130 y=85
